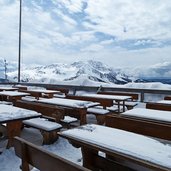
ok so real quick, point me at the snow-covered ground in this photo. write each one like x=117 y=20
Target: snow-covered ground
x=9 y=161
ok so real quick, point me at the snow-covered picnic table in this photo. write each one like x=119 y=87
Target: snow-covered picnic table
x=119 y=99
x=124 y=146
x=41 y=92
x=149 y=114
x=13 y=117
x=6 y=88
x=13 y=95
x=80 y=105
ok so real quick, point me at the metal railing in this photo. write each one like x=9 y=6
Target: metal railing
x=74 y=88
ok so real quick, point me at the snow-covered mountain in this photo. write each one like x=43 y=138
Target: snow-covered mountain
x=85 y=71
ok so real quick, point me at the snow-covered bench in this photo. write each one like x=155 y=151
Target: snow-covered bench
x=103 y=102
x=42 y=159
x=140 y=126
x=68 y=120
x=134 y=96
x=99 y=112
x=160 y=105
x=48 y=128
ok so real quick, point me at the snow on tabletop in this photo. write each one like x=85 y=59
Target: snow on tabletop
x=8 y=88
x=113 y=97
x=128 y=143
x=68 y=102
x=13 y=93
x=42 y=124
x=149 y=114
x=44 y=91
x=164 y=101
x=9 y=112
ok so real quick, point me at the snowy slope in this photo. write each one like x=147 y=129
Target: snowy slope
x=56 y=73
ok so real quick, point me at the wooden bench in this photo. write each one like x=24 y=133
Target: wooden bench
x=62 y=90
x=100 y=113
x=134 y=96
x=167 y=98
x=129 y=104
x=139 y=126
x=67 y=121
x=103 y=102
x=37 y=95
x=47 y=110
x=47 y=126
x=42 y=159
x=158 y=106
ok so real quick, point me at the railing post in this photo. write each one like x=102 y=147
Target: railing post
x=142 y=97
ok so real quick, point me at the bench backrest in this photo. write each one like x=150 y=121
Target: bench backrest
x=134 y=95
x=158 y=106
x=167 y=98
x=139 y=126
x=42 y=159
x=103 y=102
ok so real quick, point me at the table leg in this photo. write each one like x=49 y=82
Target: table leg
x=13 y=129
x=119 y=107
x=83 y=113
x=123 y=105
x=88 y=157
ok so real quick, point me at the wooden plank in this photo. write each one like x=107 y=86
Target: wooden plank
x=103 y=102
x=139 y=126
x=133 y=95
x=42 y=159
x=158 y=106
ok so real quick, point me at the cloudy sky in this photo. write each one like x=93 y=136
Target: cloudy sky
x=116 y=32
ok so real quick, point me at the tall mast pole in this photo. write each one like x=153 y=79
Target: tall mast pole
x=19 y=44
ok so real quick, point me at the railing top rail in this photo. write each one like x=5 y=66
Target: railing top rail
x=95 y=88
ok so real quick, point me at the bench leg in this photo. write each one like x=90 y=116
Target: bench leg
x=100 y=119
x=49 y=137
x=88 y=158
x=13 y=129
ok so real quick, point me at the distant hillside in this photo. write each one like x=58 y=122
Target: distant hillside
x=83 y=73
x=90 y=70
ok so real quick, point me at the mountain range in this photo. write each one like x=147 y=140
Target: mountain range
x=85 y=72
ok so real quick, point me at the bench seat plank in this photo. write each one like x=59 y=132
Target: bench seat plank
x=42 y=124
x=42 y=159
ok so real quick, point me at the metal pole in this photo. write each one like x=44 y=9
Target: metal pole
x=5 y=65
x=19 y=45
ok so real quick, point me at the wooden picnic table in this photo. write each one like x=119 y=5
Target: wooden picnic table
x=152 y=115
x=8 y=88
x=20 y=87
x=13 y=95
x=79 y=105
x=119 y=99
x=40 y=92
x=13 y=116
x=122 y=149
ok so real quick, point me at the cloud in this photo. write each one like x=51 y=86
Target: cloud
x=115 y=32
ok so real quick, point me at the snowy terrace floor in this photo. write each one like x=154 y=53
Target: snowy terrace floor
x=10 y=162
